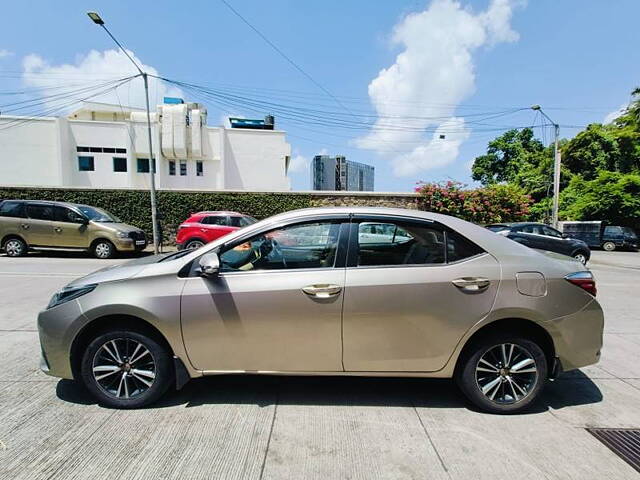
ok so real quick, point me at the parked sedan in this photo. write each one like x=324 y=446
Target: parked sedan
x=204 y=227
x=312 y=292
x=543 y=237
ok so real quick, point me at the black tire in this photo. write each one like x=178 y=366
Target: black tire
x=103 y=249
x=609 y=246
x=581 y=256
x=15 y=247
x=469 y=380
x=194 y=243
x=123 y=388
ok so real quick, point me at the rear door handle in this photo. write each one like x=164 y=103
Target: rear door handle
x=25 y=226
x=471 y=284
x=58 y=229
x=325 y=290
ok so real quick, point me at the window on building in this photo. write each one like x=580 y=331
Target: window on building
x=121 y=150
x=119 y=164
x=109 y=150
x=143 y=165
x=95 y=149
x=172 y=167
x=199 y=169
x=82 y=149
x=183 y=168
x=85 y=164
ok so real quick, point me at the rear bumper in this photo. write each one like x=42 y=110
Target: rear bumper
x=578 y=337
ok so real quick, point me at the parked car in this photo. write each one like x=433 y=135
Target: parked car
x=204 y=227
x=598 y=235
x=446 y=298
x=543 y=237
x=41 y=225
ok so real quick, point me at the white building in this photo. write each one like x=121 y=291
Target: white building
x=106 y=146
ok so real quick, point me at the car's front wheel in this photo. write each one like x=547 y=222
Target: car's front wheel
x=503 y=373
x=193 y=244
x=126 y=369
x=103 y=249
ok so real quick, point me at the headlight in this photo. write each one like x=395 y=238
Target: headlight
x=123 y=234
x=69 y=293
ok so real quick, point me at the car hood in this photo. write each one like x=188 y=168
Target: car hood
x=119 y=272
x=117 y=226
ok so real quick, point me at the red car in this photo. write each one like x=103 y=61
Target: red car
x=204 y=227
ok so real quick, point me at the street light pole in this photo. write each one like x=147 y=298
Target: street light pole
x=556 y=167
x=152 y=164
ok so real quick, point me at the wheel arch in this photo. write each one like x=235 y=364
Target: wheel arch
x=196 y=239
x=519 y=326
x=108 y=323
x=99 y=239
x=9 y=236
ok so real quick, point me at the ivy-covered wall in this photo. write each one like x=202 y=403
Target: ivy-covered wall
x=133 y=206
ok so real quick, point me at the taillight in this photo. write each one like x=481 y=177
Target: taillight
x=584 y=280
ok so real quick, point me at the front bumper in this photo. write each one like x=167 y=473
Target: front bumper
x=130 y=245
x=57 y=327
x=578 y=337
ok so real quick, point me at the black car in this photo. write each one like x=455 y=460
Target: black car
x=543 y=237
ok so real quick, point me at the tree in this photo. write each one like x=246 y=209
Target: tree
x=507 y=157
x=593 y=150
x=612 y=196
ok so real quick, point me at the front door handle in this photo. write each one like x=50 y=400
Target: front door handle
x=471 y=284
x=58 y=229
x=324 y=290
x=25 y=226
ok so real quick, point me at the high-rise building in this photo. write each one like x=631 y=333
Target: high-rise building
x=338 y=173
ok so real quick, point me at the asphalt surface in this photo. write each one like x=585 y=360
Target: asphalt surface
x=306 y=428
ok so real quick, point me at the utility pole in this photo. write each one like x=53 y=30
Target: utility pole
x=556 y=166
x=152 y=163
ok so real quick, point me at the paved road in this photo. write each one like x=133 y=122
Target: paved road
x=304 y=428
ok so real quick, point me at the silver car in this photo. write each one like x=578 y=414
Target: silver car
x=316 y=292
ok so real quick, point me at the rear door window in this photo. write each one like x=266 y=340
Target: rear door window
x=460 y=248
x=39 y=211
x=215 y=220
x=399 y=244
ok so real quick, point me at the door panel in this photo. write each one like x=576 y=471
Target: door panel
x=262 y=320
x=410 y=318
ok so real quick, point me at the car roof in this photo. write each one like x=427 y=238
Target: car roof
x=219 y=213
x=44 y=202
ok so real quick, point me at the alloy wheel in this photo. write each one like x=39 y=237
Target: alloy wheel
x=124 y=368
x=193 y=244
x=581 y=258
x=14 y=248
x=506 y=373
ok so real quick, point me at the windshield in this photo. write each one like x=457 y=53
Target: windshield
x=97 y=214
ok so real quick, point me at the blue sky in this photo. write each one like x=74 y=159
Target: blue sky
x=459 y=62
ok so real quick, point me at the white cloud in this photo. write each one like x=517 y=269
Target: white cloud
x=94 y=69
x=5 y=53
x=299 y=164
x=615 y=114
x=433 y=73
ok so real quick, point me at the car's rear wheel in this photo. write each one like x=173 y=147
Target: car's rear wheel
x=609 y=246
x=581 y=257
x=126 y=369
x=503 y=373
x=193 y=244
x=15 y=247
x=103 y=249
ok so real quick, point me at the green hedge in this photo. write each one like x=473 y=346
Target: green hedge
x=134 y=207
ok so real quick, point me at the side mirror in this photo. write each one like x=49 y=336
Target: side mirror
x=209 y=265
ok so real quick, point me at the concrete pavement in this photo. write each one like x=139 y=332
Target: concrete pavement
x=301 y=428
